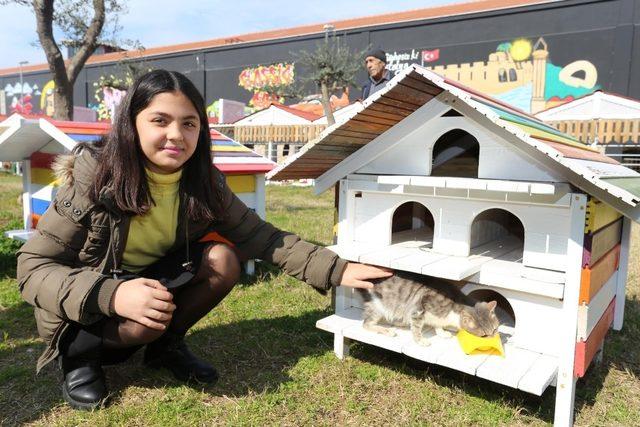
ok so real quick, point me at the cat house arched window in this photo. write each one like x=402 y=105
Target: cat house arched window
x=456 y=154
x=497 y=227
x=412 y=221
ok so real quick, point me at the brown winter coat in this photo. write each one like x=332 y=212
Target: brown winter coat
x=66 y=269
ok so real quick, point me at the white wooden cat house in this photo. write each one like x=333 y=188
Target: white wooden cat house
x=434 y=178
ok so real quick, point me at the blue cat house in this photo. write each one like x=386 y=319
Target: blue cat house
x=434 y=178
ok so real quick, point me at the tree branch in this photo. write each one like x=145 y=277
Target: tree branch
x=88 y=45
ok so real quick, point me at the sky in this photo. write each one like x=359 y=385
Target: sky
x=165 y=22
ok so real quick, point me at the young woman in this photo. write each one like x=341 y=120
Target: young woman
x=117 y=264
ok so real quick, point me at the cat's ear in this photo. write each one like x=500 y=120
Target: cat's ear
x=491 y=305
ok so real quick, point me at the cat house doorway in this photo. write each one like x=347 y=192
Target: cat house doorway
x=504 y=311
x=497 y=227
x=412 y=221
x=456 y=154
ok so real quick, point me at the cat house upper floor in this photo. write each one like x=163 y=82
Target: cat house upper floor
x=507 y=233
x=453 y=145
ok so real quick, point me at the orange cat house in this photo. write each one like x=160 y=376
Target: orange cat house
x=434 y=178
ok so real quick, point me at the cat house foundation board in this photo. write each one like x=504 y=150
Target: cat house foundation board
x=36 y=142
x=436 y=179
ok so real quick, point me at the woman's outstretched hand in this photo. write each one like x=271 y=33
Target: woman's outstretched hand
x=144 y=301
x=358 y=275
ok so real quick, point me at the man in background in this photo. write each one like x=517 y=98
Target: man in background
x=375 y=61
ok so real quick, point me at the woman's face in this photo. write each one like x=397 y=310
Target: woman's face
x=168 y=130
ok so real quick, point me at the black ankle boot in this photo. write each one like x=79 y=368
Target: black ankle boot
x=83 y=385
x=171 y=352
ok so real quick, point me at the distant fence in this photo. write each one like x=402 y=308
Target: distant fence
x=619 y=139
x=261 y=134
x=604 y=131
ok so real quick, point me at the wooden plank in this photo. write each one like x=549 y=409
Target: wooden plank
x=510 y=369
x=396 y=343
x=579 y=153
x=593 y=278
x=394 y=103
x=458 y=268
x=587 y=349
x=588 y=315
x=356 y=134
x=598 y=243
x=374 y=118
x=365 y=126
x=453 y=357
x=339 y=140
x=433 y=352
x=623 y=270
x=409 y=94
x=415 y=81
x=506 y=272
x=540 y=375
x=378 y=107
x=599 y=215
x=241 y=183
x=339 y=322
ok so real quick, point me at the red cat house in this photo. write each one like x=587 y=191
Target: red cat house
x=434 y=178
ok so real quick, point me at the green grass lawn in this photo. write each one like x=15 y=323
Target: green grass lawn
x=278 y=369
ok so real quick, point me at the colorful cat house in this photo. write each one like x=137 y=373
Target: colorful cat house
x=36 y=142
x=434 y=178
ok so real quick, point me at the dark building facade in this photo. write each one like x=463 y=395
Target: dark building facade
x=533 y=56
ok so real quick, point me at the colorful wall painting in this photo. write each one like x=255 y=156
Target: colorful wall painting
x=20 y=96
x=264 y=81
x=109 y=93
x=519 y=72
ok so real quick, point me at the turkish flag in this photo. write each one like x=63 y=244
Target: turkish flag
x=430 y=55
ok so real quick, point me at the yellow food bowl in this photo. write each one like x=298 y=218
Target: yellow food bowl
x=472 y=344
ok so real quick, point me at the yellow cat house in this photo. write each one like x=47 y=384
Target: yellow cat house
x=434 y=178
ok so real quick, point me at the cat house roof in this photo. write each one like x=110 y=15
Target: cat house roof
x=21 y=137
x=417 y=95
x=597 y=105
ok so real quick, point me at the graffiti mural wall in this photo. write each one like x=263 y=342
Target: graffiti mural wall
x=534 y=57
x=265 y=82
x=519 y=72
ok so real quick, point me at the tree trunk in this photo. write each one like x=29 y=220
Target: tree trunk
x=326 y=104
x=64 y=75
x=63 y=101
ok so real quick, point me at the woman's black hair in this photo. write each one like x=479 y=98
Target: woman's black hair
x=121 y=165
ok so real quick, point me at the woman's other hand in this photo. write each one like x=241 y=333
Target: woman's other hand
x=144 y=301
x=358 y=275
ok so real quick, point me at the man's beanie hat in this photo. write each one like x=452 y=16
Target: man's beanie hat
x=377 y=53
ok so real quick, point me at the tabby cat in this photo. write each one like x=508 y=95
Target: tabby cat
x=420 y=302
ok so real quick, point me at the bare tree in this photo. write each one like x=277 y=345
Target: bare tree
x=331 y=66
x=83 y=23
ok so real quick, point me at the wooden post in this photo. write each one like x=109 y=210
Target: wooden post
x=25 y=165
x=336 y=198
x=566 y=382
x=618 y=314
